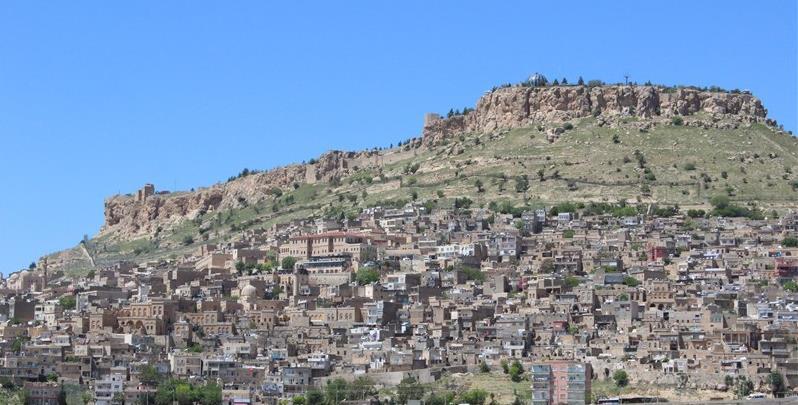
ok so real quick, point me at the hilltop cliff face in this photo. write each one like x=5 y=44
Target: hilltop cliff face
x=519 y=106
x=126 y=216
x=505 y=108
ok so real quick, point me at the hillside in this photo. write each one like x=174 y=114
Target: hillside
x=642 y=144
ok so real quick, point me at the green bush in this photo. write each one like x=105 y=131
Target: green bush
x=631 y=281
x=473 y=273
x=621 y=378
x=288 y=263
x=367 y=275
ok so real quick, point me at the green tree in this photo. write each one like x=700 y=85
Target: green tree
x=631 y=281
x=462 y=202
x=335 y=391
x=743 y=388
x=240 y=267
x=18 y=345
x=696 y=213
x=314 y=396
x=473 y=397
x=522 y=184
x=473 y=273
x=720 y=201
x=516 y=371
x=288 y=262
x=67 y=302
x=361 y=389
x=621 y=378
x=790 y=242
x=367 y=275
x=547 y=266
x=440 y=398
x=409 y=388
x=790 y=286
x=298 y=400
x=118 y=398
x=149 y=375
x=183 y=393
x=571 y=281
x=777 y=385
x=483 y=367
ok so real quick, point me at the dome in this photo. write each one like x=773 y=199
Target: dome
x=249 y=291
x=537 y=79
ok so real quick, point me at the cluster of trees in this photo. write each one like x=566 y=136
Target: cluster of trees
x=410 y=389
x=174 y=390
x=724 y=208
x=453 y=112
x=743 y=386
x=337 y=391
x=696 y=213
x=340 y=213
x=507 y=207
x=790 y=242
x=243 y=173
x=541 y=81
x=471 y=272
x=790 y=286
x=171 y=390
x=254 y=268
x=462 y=202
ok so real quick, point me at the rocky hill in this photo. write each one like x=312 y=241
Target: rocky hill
x=521 y=145
x=519 y=106
x=128 y=216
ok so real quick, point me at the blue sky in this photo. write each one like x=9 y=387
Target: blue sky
x=98 y=98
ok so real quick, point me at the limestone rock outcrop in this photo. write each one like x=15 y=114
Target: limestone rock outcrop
x=519 y=106
x=128 y=217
